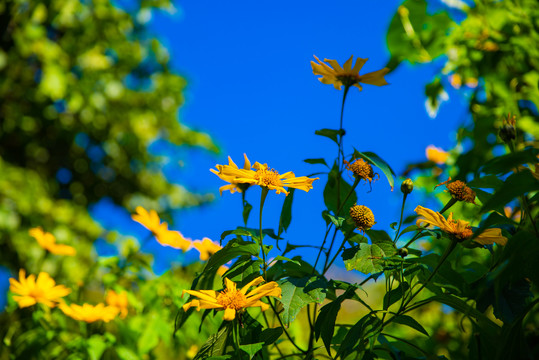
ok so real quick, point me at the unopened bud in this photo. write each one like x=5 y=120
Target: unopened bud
x=402 y=252
x=407 y=186
x=507 y=133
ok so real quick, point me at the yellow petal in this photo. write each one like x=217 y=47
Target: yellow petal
x=254 y=282
x=490 y=236
x=375 y=77
x=230 y=314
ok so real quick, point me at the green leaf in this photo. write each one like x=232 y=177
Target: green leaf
x=297 y=293
x=215 y=345
x=125 y=353
x=411 y=322
x=365 y=258
x=284 y=258
x=507 y=163
x=375 y=160
x=367 y=326
x=286 y=212
x=325 y=323
x=486 y=182
x=233 y=249
x=382 y=239
x=337 y=221
x=238 y=232
x=246 y=211
x=252 y=349
x=243 y=270
x=395 y=295
x=316 y=161
x=271 y=335
x=329 y=133
x=291 y=269
x=330 y=192
x=96 y=346
x=514 y=186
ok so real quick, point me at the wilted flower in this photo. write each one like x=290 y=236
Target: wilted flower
x=31 y=291
x=459 y=190
x=265 y=177
x=346 y=75
x=361 y=169
x=150 y=220
x=231 y=300
x=458 y=229
x=48 y=242
x=436 y=155
x=363 y=217
x=119 y=301
x=206 y=247
x=90 y=313
x=233 y=187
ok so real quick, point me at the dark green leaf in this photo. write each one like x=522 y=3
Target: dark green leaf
x=286 y=212
x=506 y=163
x=486 y=182
x=252 y=349
x=215 y=345
x=246 y=211
x=271 y=335
x=297 y=293
x=316 y=161
x=233 y=249
x=330 y=193
x=514 y=186
x=329 y=133
x=377 y=161
x=411 y=322
x=395 y=295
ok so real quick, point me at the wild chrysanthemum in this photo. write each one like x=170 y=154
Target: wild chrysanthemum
x=118 y=300
x=48 y=242
x=265 y=177
x=150 y=220
x=346 y=75
x=206 y=247
x=234 y=301
x=233 y=187
x=459 y=190
x=362 y=216
x=436 y=155
x=90 y=313
x=361 y=169
x=31 y=291
x=458 y=229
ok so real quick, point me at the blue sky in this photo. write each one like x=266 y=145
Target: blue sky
x=251 y=87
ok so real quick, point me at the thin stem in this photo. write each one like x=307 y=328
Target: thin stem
x=262 y=200
x=284 y=328
x=397 y=235
x=340 y=145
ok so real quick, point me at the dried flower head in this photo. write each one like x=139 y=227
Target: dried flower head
x=363 y=217
x=362 y=170
x=459 y=190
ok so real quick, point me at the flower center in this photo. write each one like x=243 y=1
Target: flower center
x=231 y=299
x=348 y=79
x=363 y=217
x=460 y=191
x=265 y=177
x=36 y=293
x=361 y=169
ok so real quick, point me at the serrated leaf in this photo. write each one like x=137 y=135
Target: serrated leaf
x=411 y=322
x=215 y=345
x=364 y=258
x=331 y=134
x=252 y=349
x=316 y=161
x=297 y=293
x=377 y=161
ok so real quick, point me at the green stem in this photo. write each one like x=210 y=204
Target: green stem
x=340 y=146
x=397 y=235
x=283 y=327
x=262 y=200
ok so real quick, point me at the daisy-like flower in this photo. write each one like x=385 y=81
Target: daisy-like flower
x=436 y=155
x=233 y=187
x=265 y=177
x=150 y=220
x=347 y=75
x=362 y=216
x=48 y=242
x=31 y=291
x=119 y=301
x=361 y=169
x=90 y=313
x=206 y=247
x=231 y=300
x=459 y=190
x=459 y=229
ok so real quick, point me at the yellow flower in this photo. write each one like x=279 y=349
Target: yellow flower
x=90 y=313
x=459 y=190
x=436 y=155
x=206 y=247
x=150 y=220
x=232 y=300
x=361 y=169
x=233 y=187
x=31 y=291
x=459 y=229
x=346 y=75
x=265 y=177
x=118 y=301
x=48 y=242
x=363 y=217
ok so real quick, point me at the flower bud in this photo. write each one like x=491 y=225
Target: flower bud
x=402 y=252
x=407 y=186
x=507 y=133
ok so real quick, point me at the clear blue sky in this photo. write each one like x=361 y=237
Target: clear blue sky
x=251 y=87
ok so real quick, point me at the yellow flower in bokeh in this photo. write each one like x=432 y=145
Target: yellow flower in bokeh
x=436 y=155
x=90 y=313
x=150 y=220
x=31 y=291
x=206 y=247
x=233 y=187
x=459 y=229
x=265 y=177
x=231 y=300
x=48 y=242
x=347 y=75
x=118 y=301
